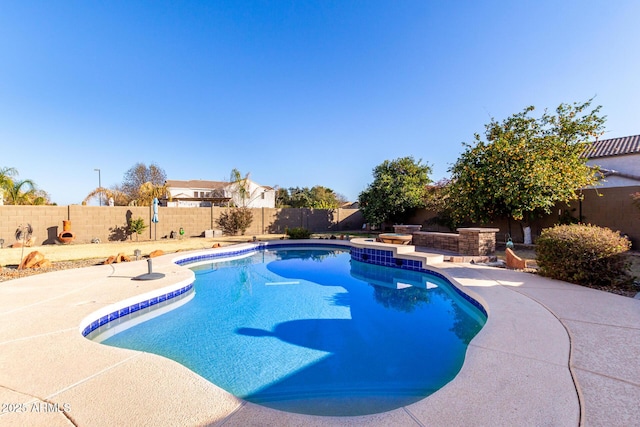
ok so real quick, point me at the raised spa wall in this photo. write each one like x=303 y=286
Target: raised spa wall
x=468 y=241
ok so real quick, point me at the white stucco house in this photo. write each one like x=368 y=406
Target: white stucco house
x=618 y=160
x=199 y=193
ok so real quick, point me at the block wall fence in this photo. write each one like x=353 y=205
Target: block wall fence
x=606 y=207
x=110 y=223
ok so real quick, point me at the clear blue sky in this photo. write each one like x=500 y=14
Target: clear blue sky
x=298 y=93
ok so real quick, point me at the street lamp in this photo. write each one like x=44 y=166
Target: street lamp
x=99 y=186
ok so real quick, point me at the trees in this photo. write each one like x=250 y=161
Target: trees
x=526 y=165
x=398 y=188
x=140 y=185
x=6 y=177
x=140 y=174
x=235 y=220
x=149 y=191
x=6 y=181
x=238 y=218
x=282 y=198
x=137 y=226
x=20 y=192
x=317 y=197
x=241 y=187
x=119 y=198
x=325 y=198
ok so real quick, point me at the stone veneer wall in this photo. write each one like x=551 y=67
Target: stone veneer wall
x=111 y=223
x=477 y=241
x=442 y=241
x=468 y=241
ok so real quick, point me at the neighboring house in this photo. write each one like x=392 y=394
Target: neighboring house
x=256 y=196
x=350 y=205
x=609 y=204
x=199 y=193
x=618 y=160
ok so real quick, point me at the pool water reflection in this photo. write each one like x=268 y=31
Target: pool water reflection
x=310 y=331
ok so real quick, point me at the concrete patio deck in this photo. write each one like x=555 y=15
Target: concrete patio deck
x=551 y=353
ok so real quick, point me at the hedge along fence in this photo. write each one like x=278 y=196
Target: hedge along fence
x=111 y=223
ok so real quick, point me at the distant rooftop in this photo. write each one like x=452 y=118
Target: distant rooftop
x=614 y=147
x=194 y=183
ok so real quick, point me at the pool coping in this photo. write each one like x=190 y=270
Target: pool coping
x=546 y=355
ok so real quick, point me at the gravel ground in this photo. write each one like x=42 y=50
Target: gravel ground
x=11 y=272
x=64 y=257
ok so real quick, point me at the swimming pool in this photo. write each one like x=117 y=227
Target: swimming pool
x=309 y=330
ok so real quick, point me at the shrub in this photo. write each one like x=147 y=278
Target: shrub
x=584 y=254
x=298 y=233
x=137 y=226
x=235 y=220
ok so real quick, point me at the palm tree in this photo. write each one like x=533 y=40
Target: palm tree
x=148 y=191
x=6 y=179
x=241 y=185
x=6 y=175
x=119 y=198
x=21 y=192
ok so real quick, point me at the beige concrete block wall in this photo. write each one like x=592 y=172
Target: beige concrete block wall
x=612 y=208
x=605 y=207
x=112 y=223
x=46 y=223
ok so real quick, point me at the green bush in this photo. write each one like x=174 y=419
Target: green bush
x=584 y=254
x=298 y=233
x=235 y=220
x=137 y=226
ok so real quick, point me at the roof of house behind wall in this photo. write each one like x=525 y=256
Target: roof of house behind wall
x=613 y=147
x=194 y=183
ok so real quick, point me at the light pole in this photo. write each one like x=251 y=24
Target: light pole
x=99 y=186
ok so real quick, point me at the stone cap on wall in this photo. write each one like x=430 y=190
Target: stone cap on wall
x=434 y=233
x=478 y=230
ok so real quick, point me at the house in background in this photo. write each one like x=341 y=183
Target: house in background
x=618 y=160
x=609 y=204
x=199 y=193
x=256 y=196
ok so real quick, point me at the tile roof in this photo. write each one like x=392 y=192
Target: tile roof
x=613 y=147
x=194 y=183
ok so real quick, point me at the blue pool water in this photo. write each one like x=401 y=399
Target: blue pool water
x=310 y=331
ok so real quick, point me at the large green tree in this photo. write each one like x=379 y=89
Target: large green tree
x=397 y=190
x=526 y=165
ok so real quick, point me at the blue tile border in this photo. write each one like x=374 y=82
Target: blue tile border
x=386 y=258
x=256 y=248
x=366 y=255
x=140 y=305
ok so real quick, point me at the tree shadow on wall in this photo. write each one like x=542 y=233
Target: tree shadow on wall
x=317 y=220
x=122 y=232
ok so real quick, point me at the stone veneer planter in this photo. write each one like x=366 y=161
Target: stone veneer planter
x=468 y=241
